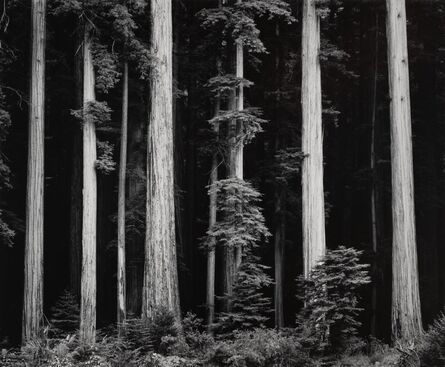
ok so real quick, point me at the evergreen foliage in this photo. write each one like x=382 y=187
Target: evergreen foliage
x=223 y=85
x=238 y=21
x=106 y=65
x=65 y=315
x=431 y=350
x=242 y=222
x=250 y=307
x=249 y=119
x=95 y=112
x=331 y=301
x=242 y=226
x=105 y=163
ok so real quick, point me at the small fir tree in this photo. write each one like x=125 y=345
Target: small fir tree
x=65 y=315
x=330 y=295
x=241 y=225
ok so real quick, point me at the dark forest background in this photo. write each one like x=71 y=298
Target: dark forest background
x=355 y=87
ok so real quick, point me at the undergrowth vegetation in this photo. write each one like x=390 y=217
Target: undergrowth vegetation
x=325 y=334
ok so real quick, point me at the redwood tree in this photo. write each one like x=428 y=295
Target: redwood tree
x=33 y=287
x=406 y=313
x=160 y=269
x=314 y=243
x=89 y=207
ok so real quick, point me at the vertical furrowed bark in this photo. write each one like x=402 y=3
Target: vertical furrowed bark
x=374 y=191
x=121 y=278
x=33 y=287
x=160 y=270
x=89 y=205
x=212 y=222
x=406 y=313
x=314 y=243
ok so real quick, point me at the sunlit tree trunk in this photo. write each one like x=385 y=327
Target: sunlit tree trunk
x=121 y=279
x=33 y=287
x=238 y=169
x=233 y=257
x=212 y=221
x=314 y=245
x=89 y=207
x=160 y=270
x=406 y=313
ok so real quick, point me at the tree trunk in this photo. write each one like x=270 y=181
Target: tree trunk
x=121 y=279
x=374 y=186
x=233 y=257
x=33 y=287
x=160 y=270
x=406 y=314
x=279 y=241
x=136 y=191
x=89 y=213
x=239 y=149
x=314 y=243
x=212 y=222
x=76 y=182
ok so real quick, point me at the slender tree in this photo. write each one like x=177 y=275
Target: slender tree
x=33 y=288
x=121 y=279
x=160 y=269
x=212 y=221
x=314 y=245
x=233 y=257
x=238 y=167
x=406 y=313
x=89 y=213
x=374 y=185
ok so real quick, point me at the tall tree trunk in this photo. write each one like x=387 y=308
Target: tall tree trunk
x=374 y=186
x=33 y=287
x=212 y=221
x=279 y=191
x=136 y=191
x=233 y=257
x=279 y=241
x=121 y=279
x=239 y=150
x=314 y=242
x=89 y=207
x=160 y=270
x=406 y=313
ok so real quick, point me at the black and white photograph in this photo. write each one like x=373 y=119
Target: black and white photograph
x=222 y=183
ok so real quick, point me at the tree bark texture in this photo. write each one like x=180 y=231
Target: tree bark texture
x=33 y=287
x=121 y=278
x=406 y=313
x=212 y=221
x=89 y=205
x=160 y=270
x=314 y=243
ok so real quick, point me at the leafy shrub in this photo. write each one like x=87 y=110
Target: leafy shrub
x=329 y=315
